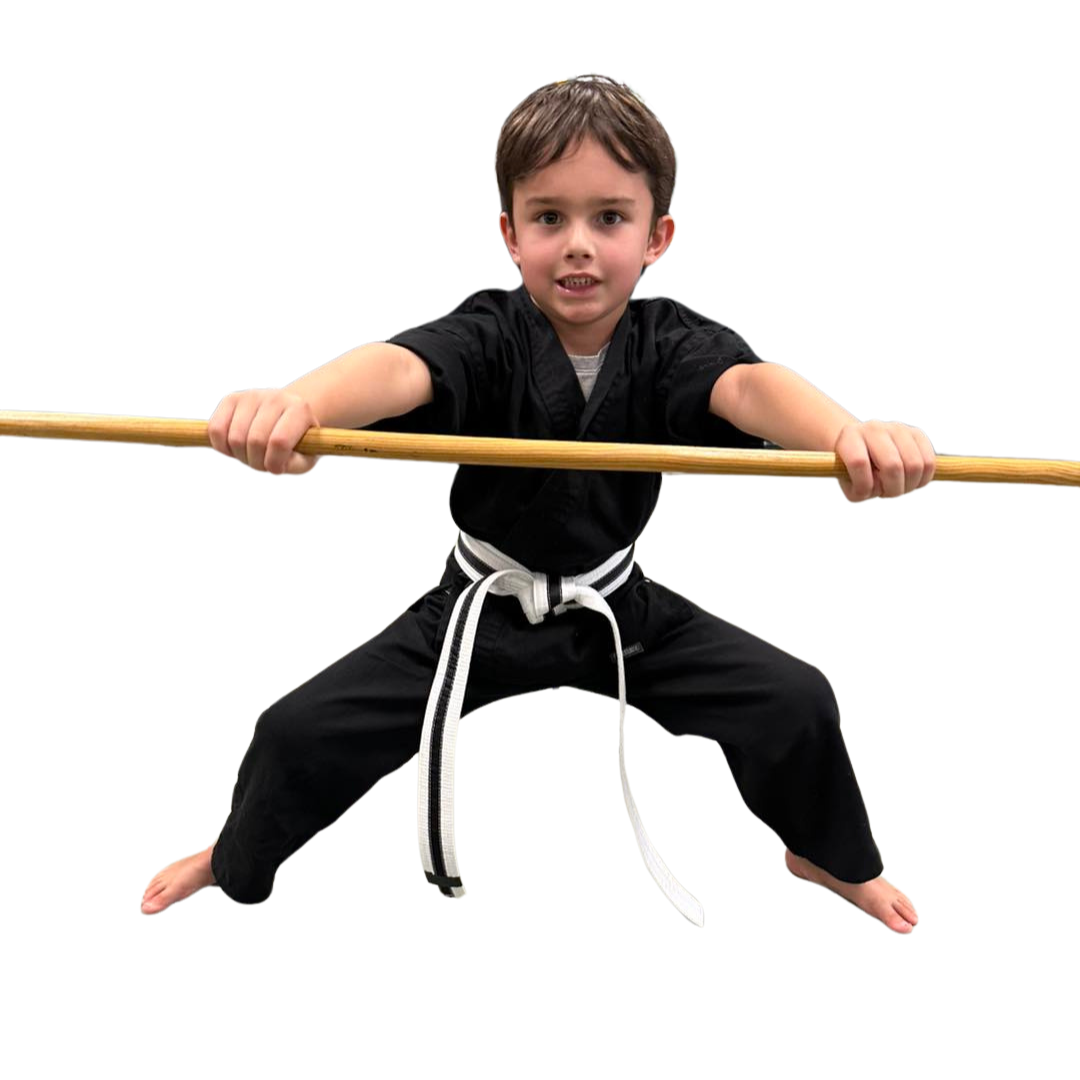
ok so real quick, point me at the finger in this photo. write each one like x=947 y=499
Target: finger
x=280 y=442
x=238 y=428
x=852 y=450
x=926 y=448
x=218 y=426
x=259 y=433
x=886 y=458
x=288 y=431
x=911 y=456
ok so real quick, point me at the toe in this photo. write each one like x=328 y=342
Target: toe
x=900 y=922
x=906 y=909
x=156 y=898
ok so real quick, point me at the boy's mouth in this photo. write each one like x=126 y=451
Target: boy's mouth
x=576 y=285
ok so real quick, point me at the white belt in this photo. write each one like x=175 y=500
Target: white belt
x=538 y=594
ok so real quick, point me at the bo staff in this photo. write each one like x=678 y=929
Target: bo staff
x=531 y=453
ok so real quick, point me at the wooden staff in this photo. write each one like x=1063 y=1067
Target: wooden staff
x=531 y=453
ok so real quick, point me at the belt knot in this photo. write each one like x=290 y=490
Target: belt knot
x=540 y=594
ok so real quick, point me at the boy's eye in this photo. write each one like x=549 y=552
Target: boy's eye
x=555 y=213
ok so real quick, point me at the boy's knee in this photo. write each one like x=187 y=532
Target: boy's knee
x=807 y=698
x=281 y=724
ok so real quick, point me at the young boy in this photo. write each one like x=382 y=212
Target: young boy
x=585 y=174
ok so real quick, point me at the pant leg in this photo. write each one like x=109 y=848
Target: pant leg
x=775 y=717
x=323 y=745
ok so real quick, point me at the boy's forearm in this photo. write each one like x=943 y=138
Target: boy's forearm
x=368 y=383
x=775 y=403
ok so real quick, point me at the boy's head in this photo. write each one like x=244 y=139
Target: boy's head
x=562 y=152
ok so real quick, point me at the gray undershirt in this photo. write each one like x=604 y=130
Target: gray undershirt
x=588 y=368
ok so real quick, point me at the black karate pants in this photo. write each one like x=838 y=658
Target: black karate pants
x=324 y=744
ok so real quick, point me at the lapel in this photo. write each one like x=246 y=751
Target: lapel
x=555 y=378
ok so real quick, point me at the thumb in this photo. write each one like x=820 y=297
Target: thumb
x=301 y=463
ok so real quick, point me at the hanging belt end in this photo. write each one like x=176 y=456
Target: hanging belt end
x=448 y=886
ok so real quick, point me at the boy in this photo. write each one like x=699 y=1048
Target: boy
x=586 y=174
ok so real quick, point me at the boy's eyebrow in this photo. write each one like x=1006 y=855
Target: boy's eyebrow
x=609 y=201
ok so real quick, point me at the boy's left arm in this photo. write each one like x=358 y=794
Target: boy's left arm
x=771 y=401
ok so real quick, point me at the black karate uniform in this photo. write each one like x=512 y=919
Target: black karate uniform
x=499 y=369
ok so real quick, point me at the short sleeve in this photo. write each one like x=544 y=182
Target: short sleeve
x=460 y=350
x=694 y=353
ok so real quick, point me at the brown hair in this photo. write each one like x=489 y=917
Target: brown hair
x=550 y=119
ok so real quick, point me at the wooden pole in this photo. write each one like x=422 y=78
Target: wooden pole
x=530 y=453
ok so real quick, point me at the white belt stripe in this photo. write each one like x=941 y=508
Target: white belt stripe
x=538 y=594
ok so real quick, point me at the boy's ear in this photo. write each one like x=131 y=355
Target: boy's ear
x=509 y=236
x=660 y=240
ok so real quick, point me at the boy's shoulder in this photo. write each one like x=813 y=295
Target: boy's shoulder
x=664 y=313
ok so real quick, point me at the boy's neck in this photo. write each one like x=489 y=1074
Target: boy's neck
x=588 y=342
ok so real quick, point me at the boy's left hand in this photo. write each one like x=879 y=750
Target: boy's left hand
x=886 y=459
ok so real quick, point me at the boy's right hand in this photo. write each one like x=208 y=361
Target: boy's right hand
x=261 y=429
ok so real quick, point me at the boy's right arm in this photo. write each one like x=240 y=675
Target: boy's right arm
x=366 y=384
x=369 y=383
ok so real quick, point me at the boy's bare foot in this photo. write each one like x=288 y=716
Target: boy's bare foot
x=877 y=897
x=178 y=882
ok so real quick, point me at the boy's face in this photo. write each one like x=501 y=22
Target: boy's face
x=563 y=228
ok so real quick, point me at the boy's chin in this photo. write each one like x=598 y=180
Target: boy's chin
x=554 y=307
